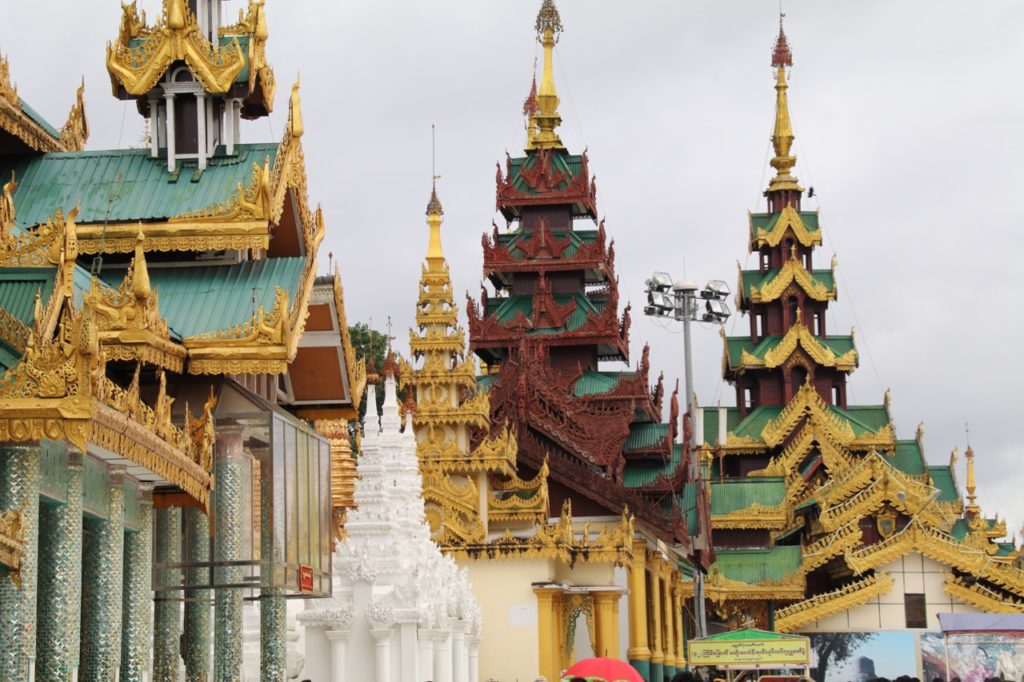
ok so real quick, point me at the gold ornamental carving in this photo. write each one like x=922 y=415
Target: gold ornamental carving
x=794 y=617
x=15 y=121
x=981 y=597
x=12 y=542
x=800 y=336
x=789 y=221
x=792 y=272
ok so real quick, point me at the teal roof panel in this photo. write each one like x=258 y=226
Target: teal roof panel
x=753 y=566
x=646 y=436
x=35 y=116
x=18 y=287
x=942 y=478
x=908 y=458
x=736 y=495
x=124 y=185
x=198 y=300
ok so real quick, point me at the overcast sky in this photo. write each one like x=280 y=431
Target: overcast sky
x=909 y=122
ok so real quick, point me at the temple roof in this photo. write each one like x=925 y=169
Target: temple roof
x=735 y=495
x=507 y=309
x=202 y=299
x=576 y=239
x=594 y=382
x=759 y=565
x=742 y=348
x=126 y=184
x=641 y=474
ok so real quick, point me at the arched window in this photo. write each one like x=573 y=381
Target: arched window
x=797 y=377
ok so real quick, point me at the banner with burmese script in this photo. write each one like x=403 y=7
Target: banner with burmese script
x=750 y=649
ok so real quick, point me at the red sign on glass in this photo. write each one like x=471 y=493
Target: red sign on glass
x=305 y=578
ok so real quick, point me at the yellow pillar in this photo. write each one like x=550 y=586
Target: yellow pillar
x=657 y=652
x=547 y=632
x=606 y=615
x=638 y=649
x=668 y=598
x=680 y=645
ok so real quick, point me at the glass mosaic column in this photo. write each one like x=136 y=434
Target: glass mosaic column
x=167 y=618
x=60 y=579
x=273 y=610
x=197 y=604
x=138 y=593
x=228 y=547
x=102 y=583
x=19 y=489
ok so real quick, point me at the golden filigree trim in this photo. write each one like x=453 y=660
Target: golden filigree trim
x=138 y=68
x=789 y=220
x=982 y=597
x=720 y=589
x=800 y=336
x=755 y=516
x=820 y=606
x=13 y=331
x=166 y=237
x=792 y=271
x=12 y=540
x=513 y=499
x=825 y=549
x=14 y=120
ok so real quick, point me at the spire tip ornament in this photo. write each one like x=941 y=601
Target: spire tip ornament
x=782 y=135
x=549 y=26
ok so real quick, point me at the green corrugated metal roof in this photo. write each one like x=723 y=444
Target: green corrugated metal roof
x=942 y=478
x=639 y=474
x=507 y=308
x=35 y=116
x=908 y=458
x=766 y=221
x=594 y=383
x=197 y=300
x=748 y=634
x=18 y=287
x=124 y=185
x=759 y=278
x=730 y=496
x=561 y=161
x=645 y=436
x=756 y=420
x=687 y=501
x=840 y=345
x=864 y=418
x=759 y=565
x=576 y=239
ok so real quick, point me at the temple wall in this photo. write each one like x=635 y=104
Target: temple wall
x=912 y=574
x=504 y=590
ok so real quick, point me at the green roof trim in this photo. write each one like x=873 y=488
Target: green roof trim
x=199 y=300
x=864 y=418
x=748 y=634
x=754 y=424
x=754 y=566
x=576 y=239
x=35 y=116
x=596 y=383
x=711 y=421
x=18 y=287
x=646 y=436
x=766 y=221
x=124 y=185
x=942 y=478
x=740 y=494
x=908 y=458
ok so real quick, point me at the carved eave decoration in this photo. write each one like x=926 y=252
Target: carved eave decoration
x=942 y=547
x=12 y=542
x=262 y=83
x=452 y=508
x=561 y=541
x=355 y=369
x=792 y=272
x=15 y=121
x=128 y=320
x=720 y=589
x=439 y=451
x=59 y=391
x=789 y=221
x=799 y=336
x=543 y=250
x=755 y=516
x=806 y=404
x=547 y=186
x=263 y=345
x=982 y=597
x=139 y=67
x=828 y=547
x=797 y=615
x=513 y=499
x=13 y=331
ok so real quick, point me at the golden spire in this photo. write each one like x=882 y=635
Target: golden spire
x=782 y=135
x=549 y=26
x=435 y=254
x=530 y=109
x=972 y=507
x=176 y=13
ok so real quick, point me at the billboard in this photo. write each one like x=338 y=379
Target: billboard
x=973 y=657
x=862 y=656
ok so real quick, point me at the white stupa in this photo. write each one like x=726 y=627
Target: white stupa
x=400 y=610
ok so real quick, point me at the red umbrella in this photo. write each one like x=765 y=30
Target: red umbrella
x=603 y=669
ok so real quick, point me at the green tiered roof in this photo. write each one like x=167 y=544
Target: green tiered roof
x=766 y=221
x=739 y=494
x=576 y=239
x=908 y=458
x=751 y=279
x=644 y=436
x=561 y=162
x=840 y=345
x=942 y=478
x=125 y=185
x=506 y=310
x=640 y=474
x=759 y=565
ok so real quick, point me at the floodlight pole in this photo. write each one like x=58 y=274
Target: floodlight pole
x=684 y=292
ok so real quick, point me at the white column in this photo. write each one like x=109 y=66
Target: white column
x=229 y=125
x=169 y=96
x=236 y=124
x=339 y=652
x=408 y=653
x=426 y=643
x=154 y=126
x=460 y=658
x=382 y=655
x=443 y=657
x=474 y=659
x=201 y=122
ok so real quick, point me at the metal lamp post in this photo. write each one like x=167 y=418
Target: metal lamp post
x=682 y=305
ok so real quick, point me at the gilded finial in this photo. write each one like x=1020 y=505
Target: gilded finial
x=530 y=111
x=140 y=271
x=295 y=124
x=549 y=27
x=782 y=135
x=972 y=506
x=176 y=13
